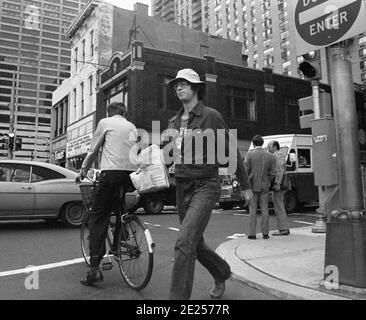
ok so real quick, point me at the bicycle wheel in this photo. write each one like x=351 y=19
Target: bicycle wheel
x=84 y=237
x=135 y=253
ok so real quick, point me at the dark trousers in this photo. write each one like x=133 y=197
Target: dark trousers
x=195 y=201
x=110 y=184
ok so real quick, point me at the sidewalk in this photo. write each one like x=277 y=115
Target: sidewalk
x=288 y=267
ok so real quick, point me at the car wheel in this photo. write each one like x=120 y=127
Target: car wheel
x=153 y=206
x=291 y=201
x=72 y=214
x=227 y=206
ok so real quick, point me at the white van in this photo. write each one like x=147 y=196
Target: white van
x=297 y=150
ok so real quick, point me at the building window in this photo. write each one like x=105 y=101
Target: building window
x=90 y=92
x=362 y=40
x=76 y=59
x=82 y=99
x=363 y=64
x=241 y=104
x=285 y=54
x=167 y=100
x=292 y=116
x=362 y=53
x=118 y=93
x=363 y=76
x=92 y=43
x=74 y=100
x=83 y=51
x=268 y=62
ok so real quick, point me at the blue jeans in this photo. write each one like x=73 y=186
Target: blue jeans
x=195 y=201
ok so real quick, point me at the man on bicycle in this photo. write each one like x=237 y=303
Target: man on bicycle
x=116 y=136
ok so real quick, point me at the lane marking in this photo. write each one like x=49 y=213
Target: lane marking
x=304 y=222
x=42 y=267
x=160 y=226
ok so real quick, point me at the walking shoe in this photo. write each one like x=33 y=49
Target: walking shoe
x=252 y=237
x=266 y=236
x=92 y=276
x=281 y=233
x=217 y=290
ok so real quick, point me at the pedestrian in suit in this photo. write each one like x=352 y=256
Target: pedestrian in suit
x=261 y=167
x=278 y=195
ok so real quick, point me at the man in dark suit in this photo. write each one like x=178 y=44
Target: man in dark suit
x=261 y=167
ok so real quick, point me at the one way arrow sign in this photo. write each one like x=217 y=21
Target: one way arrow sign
x=320 y=23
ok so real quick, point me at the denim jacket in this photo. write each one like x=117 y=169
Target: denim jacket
x=205 y=163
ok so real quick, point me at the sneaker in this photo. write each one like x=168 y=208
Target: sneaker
x=92 y=277
x=281 y=233
x=217 y=290
x=252 y=237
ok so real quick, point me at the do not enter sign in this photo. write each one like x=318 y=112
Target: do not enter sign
x=320 y=23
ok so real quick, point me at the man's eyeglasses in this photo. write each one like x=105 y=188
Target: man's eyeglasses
x=181 y=84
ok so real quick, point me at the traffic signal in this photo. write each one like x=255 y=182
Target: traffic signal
x=309 y=65
x=18 y=144
x=11 y=141
x=3 y=142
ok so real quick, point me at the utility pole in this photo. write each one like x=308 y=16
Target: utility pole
x=345 y=239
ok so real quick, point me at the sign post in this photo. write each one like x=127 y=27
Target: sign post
x=328 y=23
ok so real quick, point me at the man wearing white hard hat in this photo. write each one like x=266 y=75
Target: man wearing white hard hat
x=197 y=184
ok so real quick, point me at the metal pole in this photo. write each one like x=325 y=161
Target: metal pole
x=351 y=195
x=12 y=117
x=316 y=104
x=345 y=246
x=320 y=223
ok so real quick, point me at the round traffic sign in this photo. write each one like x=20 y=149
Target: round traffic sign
x=322 y=22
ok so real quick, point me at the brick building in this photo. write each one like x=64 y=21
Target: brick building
x=251 y=101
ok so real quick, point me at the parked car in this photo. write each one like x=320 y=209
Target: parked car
x=153 y=202
x=230 y=192
x=34 y=190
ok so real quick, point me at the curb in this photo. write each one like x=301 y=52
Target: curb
x=243 y=272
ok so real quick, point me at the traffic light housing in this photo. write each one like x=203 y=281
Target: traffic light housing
x=4 y=142
x=310 y=65
x=18 y=144
x=11 y=141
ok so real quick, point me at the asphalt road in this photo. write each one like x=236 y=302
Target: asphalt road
x=53 y=249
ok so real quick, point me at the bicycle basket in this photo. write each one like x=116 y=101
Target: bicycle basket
x=88 y=191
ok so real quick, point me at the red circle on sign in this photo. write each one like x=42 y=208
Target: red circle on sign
x=320 y=22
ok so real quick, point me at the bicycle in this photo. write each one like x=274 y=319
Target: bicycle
x=128 y=242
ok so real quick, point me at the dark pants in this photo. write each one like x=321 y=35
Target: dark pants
x=195 y=201
x=110 y=183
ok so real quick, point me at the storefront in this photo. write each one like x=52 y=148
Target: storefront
x=79 y=137
x=59 y=157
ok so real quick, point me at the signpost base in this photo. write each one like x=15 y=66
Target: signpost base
x=345 y=243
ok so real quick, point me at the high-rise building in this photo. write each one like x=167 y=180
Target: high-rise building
x=267 y=30
x=34 y=60
x=189 y=13
x=265 y=27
